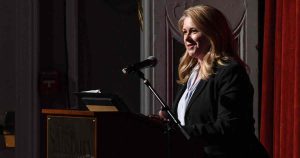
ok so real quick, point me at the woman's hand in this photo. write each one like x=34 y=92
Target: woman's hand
x=163 y=115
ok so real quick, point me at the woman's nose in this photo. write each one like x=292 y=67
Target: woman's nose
x=187 y=37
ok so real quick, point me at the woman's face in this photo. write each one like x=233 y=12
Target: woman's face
x=196 y=43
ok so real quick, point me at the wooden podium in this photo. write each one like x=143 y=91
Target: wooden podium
x=86 y=134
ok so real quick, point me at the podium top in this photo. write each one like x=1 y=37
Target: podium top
x=67 y=112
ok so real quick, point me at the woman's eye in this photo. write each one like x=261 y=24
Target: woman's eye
x=194 y=31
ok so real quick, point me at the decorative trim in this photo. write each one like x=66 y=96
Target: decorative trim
x=146 y=105
x=72 y=49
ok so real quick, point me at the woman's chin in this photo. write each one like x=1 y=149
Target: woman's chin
x=195 y=54
x=192 y=54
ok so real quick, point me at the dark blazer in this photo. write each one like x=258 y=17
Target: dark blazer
x=219 y=114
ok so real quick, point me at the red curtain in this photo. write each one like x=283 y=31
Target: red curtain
x=280 y=113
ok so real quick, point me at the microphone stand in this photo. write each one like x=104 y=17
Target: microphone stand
x=164 y=106
x=167 y=110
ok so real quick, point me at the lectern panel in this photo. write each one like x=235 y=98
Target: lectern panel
x=85 y=134
x=70 y=137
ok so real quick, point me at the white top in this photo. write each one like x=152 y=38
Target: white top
x=187 y=95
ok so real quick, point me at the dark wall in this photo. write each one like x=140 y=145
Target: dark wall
x=108 y=40
x=8 y=96
x=7 y=55
x=53 y=54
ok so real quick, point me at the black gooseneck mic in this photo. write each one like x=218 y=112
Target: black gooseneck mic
x=151 y=61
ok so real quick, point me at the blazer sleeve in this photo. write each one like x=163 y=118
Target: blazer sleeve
x=234 y=98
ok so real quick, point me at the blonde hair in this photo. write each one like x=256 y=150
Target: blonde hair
x=213 y=24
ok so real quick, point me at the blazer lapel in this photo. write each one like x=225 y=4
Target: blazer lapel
x=177 y=98
x=197 y=92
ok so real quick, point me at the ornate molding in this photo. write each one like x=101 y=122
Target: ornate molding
x=234 y=10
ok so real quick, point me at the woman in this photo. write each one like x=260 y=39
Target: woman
x=215 y=102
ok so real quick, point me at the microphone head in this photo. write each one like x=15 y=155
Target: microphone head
x=153 y=61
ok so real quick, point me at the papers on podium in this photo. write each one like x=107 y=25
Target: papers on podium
x=96 y=101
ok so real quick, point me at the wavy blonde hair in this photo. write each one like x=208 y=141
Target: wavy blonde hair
x=213 y=24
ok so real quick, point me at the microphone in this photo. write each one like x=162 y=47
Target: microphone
x=151 y=61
